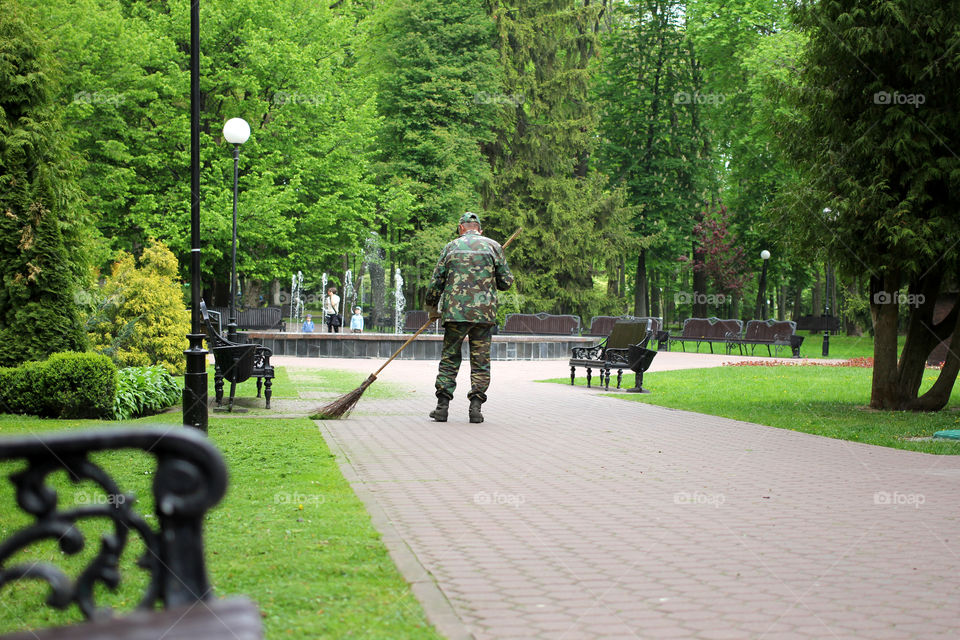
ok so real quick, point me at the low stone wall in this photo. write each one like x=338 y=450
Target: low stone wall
x=425 y=347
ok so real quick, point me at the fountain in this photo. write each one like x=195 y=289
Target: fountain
x=399 y=301
x=347 y=294
x=323 y=293
x=296 y=298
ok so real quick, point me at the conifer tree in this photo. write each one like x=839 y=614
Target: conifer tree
x=542 y=156
x=38 y=314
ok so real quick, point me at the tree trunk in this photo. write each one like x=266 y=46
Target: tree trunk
x=623 y=277
x=884 y=392
x=276 y=298
x=699 y=281
x=781 y=303
x=850 y=327
x=817 y=297
x=656 y=302
x=613 y=278
x=640 y=286
x=797 y=303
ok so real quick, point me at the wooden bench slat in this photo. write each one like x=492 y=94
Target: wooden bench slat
x=229 y=619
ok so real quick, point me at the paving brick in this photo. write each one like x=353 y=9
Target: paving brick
x=671 y=524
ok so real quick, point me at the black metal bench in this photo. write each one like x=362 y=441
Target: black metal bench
x=190 y=478
x=256 y=319
x=237 y=362
x=612 y=352
x=541 y=324
x=770 y=333
x=707 y=330
x=602 y=326
x=818 y=324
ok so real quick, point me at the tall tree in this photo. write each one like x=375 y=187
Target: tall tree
x=38 y=314
x=288 y=68
x=438 y=92
x=542 y=156
x=653 y=142
x=880 y=83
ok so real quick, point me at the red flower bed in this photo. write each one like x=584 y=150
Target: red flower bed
x=853 y=362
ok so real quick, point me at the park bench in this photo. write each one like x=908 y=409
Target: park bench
x=237 y=362
x=603 y=325
x=413 y=320
x=771 y=333
x=707 y=330
x=255 y=319
x=190 y=477
x=611 y=352
x=541 y=324
x=818 y=324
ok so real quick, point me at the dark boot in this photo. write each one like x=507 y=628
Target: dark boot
x=475 y=415
x=440 y=413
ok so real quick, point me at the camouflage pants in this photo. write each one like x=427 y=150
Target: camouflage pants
x=454 y=334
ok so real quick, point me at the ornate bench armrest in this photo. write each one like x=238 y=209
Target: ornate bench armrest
x=190 y=478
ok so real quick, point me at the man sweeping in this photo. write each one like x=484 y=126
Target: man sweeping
x=469 y=273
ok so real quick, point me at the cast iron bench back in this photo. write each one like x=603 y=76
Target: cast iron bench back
x=190 y=478
x=709 y=330
x=771 y=333
x=541 y=324
x=816 y=324
x=237 y=362
x=256 y=319
x=612 y=351
x=413 y=320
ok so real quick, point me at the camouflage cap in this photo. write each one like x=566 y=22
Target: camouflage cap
x=469 y=217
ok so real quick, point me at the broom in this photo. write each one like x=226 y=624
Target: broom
x=342 y=406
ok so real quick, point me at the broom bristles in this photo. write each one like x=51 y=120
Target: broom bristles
x=342 y=406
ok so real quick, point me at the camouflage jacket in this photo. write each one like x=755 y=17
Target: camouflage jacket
x=464 y=285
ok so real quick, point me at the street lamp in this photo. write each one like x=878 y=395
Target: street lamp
x=760 y=309
x=195 y=379
x=236 y=131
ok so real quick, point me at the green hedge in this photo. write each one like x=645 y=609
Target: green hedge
x=66 y=385
x=86 y=385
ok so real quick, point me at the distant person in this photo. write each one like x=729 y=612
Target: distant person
x=469 y=273
x=331 y=306
x=356 y=320
x=307 y=324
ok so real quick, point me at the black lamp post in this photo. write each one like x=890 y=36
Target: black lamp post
x=236 y=131
x=195 y=380
x=760 y=310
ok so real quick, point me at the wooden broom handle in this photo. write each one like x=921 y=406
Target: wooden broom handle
x=427 y=323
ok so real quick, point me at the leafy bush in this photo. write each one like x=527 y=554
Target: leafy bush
x=143 y=319
x=66 y=385
x=144 y=390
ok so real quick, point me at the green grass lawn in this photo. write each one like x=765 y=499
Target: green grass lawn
x=827 y=401
x=290 y=533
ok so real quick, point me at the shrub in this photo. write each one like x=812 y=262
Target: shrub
x=143 y=320
x=144 y=390
x=66 y=385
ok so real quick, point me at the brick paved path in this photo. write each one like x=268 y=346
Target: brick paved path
x=571 y=515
